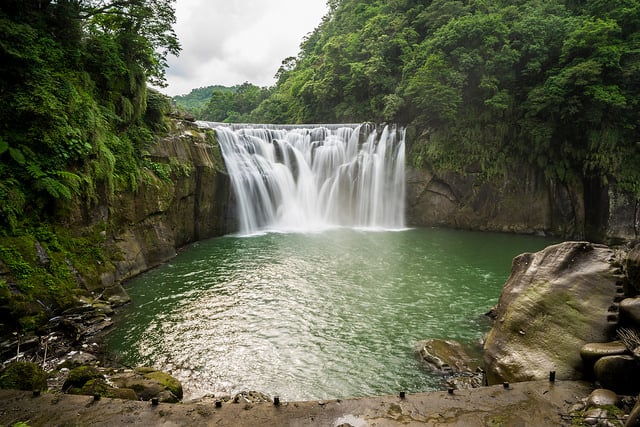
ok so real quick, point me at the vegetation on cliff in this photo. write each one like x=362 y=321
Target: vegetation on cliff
x=75 y=117
x=223 y=104
x=490 y=84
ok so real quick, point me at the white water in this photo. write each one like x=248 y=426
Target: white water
x=307 y=178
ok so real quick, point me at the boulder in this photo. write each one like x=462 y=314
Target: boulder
x=618 y=373
x=148 y=383
x=79 y=377
x=553 y=303
x=603 y=397
x=593 y=351
x=23 y=376
x=444 y=356
x=116 y=295
x=630 y=310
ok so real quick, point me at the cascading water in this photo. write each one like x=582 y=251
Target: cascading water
x=303 y=178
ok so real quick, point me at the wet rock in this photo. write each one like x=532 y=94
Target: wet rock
x=554 y=302
x=116 y=295
x=593 y=351
x=148 y=383
x=252 y=397
x=630 y=310
x=77 y=309
x=618 y=373
x=76 y=358
x=593 y=416
x=634 y=416
x=603 y=397
x=466 y=380
x=444 y=356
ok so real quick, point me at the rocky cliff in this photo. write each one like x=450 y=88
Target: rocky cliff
x=185 y=203
x=553 y=303
x=521 y=201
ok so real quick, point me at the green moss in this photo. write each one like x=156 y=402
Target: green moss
x=80 y=376
x=164 y=379
x=211 y=139
x=23 y=376
x=95 y=386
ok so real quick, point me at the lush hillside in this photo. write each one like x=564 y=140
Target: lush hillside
x=486 y=83
x=194 y=101
x=75 y=118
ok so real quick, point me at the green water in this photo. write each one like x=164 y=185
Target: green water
x=314 y=316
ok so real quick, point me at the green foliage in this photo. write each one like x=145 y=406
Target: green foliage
x=233 y=105
x=195 y=100
x=158 y=107
x=74 y=106
x=488 y=84
x=43 y=264
x=23 y=376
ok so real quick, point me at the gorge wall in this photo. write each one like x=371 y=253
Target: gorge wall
x=521 y=201
x=146 y=227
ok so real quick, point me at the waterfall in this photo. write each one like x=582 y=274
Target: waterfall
x=305 y=178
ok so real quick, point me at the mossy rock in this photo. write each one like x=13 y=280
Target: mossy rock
x=23 y=376
x=79 y=376
x=123 y=393
x=164 y=379
x=95 y=386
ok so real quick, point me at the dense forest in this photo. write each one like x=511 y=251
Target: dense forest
x=75 y=118
x=491 y=83
x=195 y=100
x=75 y=111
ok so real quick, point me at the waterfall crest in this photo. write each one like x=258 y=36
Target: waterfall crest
x=313 y=177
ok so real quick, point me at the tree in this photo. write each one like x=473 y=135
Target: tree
x=73 y=77
x=143 y=27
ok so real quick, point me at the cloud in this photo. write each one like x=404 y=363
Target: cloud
x=230 y=42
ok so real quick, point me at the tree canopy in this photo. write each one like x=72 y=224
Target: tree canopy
x=73 y=97
x=492 y=82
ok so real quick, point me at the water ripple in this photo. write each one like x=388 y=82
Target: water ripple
x=313 y=316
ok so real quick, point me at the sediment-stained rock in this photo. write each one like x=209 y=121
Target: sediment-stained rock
x=554 y=302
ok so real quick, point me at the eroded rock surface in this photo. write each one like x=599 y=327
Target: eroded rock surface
x=554 y=302
x=444 y=356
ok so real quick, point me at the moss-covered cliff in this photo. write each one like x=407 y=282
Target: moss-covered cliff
x=521 y=200
x=182 y=197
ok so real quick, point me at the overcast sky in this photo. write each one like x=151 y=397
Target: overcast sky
x=230 y=42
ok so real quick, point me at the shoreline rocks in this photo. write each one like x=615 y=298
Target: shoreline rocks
x=554 y=302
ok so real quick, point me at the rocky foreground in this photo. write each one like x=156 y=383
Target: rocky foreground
x=537 y=403
x=564 y=350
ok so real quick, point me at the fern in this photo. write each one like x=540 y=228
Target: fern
x=55 y=188
x=35 y=171
x=12 y=202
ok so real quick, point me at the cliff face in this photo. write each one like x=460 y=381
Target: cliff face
x=146 y=227
x=521 y=201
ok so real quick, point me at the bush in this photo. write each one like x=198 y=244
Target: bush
x=23 y=376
